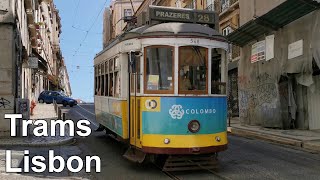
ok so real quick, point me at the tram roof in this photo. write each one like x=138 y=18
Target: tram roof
x=167 y=29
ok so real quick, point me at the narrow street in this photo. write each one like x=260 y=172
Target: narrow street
x=245 y=158
x=174 y=81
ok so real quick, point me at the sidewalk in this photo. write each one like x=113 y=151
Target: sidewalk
x=44 y=112
x=306 y=139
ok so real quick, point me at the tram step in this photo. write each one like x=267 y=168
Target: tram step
x=134 y=155
x=183 y=163
x=100 y=128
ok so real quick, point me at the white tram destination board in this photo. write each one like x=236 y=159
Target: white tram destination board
x=182 y=15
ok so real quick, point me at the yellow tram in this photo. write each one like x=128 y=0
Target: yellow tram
x=162 y=89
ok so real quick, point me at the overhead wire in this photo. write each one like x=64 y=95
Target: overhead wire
x=83 y=30
x=87 y=32
x=75 y=13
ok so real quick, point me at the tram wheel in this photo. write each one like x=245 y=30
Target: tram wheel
x=161 y=159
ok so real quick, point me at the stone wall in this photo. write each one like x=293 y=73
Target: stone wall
x=6 y=76
x=273 y=93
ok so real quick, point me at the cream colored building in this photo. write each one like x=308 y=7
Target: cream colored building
x=114 y=17
x=64 y=82
x=29 y=53
x=14 y=51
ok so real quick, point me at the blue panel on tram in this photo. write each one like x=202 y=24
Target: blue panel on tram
x=175 y=113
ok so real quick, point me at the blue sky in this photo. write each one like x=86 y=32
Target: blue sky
x=79 y=47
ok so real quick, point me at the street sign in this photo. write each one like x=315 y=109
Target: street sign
x=23 y=108
x=182 y=15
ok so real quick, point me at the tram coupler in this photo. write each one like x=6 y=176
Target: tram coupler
x=134 y=155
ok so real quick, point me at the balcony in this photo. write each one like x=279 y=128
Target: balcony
x=56 y=47
x=213 y=7
x=210 y=7
x=225 y=5
x=191 y=4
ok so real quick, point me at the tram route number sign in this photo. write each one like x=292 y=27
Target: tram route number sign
x=180 y=15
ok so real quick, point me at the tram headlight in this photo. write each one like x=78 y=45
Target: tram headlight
x=218 y=139
x=166 y=141
x=194 y=126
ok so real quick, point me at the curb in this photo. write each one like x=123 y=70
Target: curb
x=65 y=141
x=266 y=136
x=309 y=145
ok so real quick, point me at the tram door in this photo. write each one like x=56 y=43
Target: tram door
x=135 y=117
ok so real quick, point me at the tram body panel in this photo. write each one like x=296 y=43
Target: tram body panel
x=135 y=121
x=112 y=113
x=185 y=41
x=169 y=117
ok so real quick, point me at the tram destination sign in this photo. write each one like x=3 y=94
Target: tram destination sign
x=182 y=15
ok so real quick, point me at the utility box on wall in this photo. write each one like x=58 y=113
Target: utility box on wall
x=23 y=107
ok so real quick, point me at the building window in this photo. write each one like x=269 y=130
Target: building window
x=210 y=5
x=192 y=5
x=159 y=66
x=127 y=12
x=225 y=4
x=226 y=31
x=193 y=61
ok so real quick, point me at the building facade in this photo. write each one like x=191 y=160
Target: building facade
x=115 y=17
x=229 y=21
x=30 y=55
x=278 y=72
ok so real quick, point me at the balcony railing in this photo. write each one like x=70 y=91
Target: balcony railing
x=210 y=7
x=213 y=7
x=227 y=4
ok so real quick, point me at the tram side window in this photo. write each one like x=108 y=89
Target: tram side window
x=99 y=86
x=106 y=85
x=193 y=62
x=96 y=85
x=136 y=74
x=95 y=80
x=159 y=69
x=217 y=85
x=106 y=90
x=116 y=77
x=111 y=85
x=102 y=85
x=117 y=84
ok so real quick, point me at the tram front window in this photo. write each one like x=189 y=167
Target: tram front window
x=193 y=70
x=159 y=69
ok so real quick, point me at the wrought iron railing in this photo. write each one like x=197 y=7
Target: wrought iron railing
x=227 y=4
x=210 y=7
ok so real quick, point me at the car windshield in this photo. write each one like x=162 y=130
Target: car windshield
x=62 y=94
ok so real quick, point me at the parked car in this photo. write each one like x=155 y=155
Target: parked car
x=50 y=96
